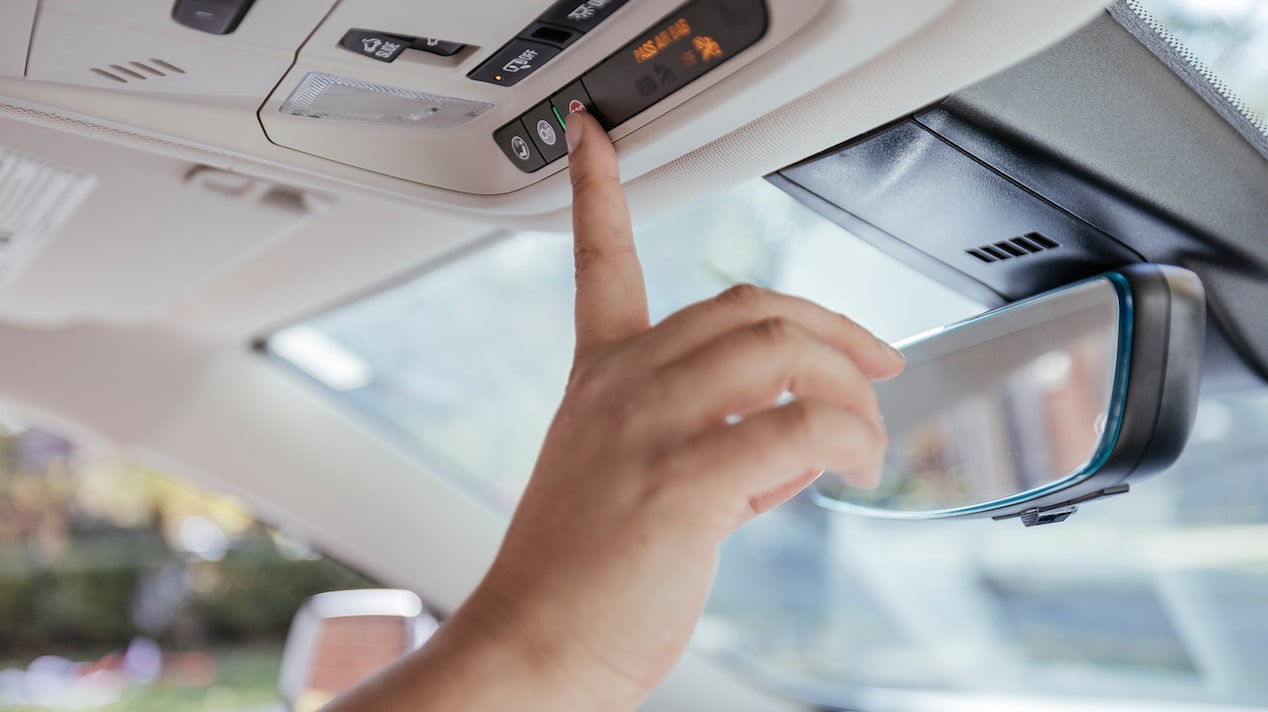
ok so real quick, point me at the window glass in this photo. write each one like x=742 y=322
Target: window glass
x=468 y=362
x=124 y=589
x=1227 y=38
x=1156 y=595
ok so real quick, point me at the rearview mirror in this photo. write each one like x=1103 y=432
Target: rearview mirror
x=340 y=638
x=1029 y=410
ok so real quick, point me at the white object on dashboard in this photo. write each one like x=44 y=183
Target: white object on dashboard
x=36 y=198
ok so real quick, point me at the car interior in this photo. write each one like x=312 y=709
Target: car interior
x=314 y=256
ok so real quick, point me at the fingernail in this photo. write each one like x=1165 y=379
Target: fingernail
x=572 y=131
x=894 y=354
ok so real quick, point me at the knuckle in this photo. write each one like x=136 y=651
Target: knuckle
x=667 y=465
x=583 y=180
x=849 y=325
x=776 y=330
x=744 y=296
x=668 y=471
x=802 y=423
x=585 y=256
x=588 y=378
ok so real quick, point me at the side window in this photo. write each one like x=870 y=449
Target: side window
x=124 y=589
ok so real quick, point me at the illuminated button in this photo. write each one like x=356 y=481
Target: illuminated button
x=516 y=142
x=575 y=98
x=514 y=62
x=546 y=131
x=582 y=15
x=683 y=47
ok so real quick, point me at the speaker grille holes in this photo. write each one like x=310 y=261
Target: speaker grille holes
x=147 y=69
x=168 y=66
x=108 y=75
x=1029 y=244
x=137 y=71
x=124 y=71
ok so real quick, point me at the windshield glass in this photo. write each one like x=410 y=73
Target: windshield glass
x=1156 y=595
x=452 y=369
x=1225 y=39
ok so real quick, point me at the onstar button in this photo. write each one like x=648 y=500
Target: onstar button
x=515 y=142
x=514 y=62
x=546 y=131
x=583 y=15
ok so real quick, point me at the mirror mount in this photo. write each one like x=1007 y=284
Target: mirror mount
x=1057 y=513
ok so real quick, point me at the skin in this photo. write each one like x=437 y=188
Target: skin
x=608 y=560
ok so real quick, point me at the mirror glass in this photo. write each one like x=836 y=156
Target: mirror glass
x=340 y=638
x=351 y=649
x=1009 y=404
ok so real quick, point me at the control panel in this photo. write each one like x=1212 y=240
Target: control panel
x=386 y=46
x=665 y=77
x=682 y=47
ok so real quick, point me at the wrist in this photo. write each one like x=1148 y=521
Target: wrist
x=526 y=638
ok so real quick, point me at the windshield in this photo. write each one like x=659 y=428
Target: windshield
x=1157 y=595
x=452 y=369
x=1226 y=41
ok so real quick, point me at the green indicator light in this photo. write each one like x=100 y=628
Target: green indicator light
x=559 y=116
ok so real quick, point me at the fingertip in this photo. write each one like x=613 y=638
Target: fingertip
x=579 y=126
x=883 y=363
x=574 y=127
x=894 y=354
x=894 y=365
x=866 y=478
x=590 y=151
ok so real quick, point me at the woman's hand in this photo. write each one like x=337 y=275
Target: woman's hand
x=645 y=470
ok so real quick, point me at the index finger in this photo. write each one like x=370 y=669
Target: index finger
x=611 y=297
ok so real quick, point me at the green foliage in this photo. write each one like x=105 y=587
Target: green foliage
x=85 y=605
x=257 y=593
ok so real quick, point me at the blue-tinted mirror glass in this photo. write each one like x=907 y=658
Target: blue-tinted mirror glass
x=1012 y=403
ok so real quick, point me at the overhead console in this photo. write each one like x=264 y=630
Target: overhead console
x=486 y=116
x=460 y=105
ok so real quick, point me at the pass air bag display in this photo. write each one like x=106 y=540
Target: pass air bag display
x=671 y=54
x=680 y=49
